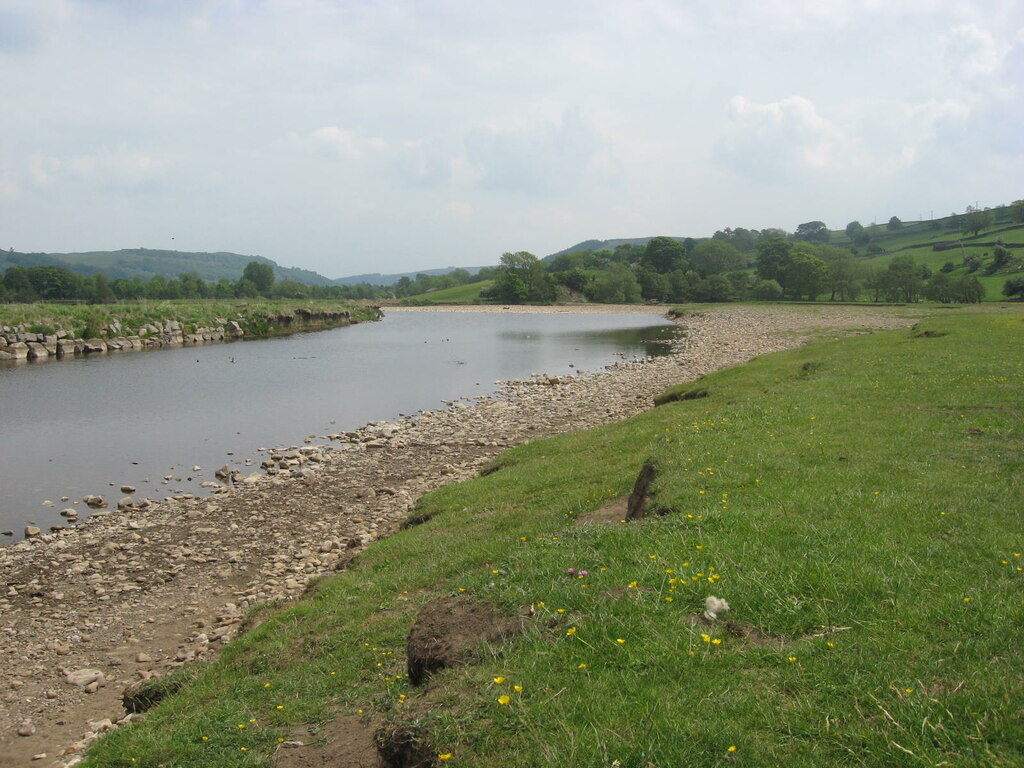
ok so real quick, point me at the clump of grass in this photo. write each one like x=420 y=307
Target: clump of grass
x=862 y=523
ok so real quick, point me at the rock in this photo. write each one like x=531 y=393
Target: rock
x=85 y=677
x=93 y=501
x=31 y=531
x=125 y=503
x=128 y=489
x=26 y=728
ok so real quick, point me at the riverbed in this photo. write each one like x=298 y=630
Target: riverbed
x=148 y=419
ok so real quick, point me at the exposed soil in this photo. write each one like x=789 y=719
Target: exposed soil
x=137 y=593
x=446 y=632
x=347 y=742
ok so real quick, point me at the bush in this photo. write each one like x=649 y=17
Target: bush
x=768 y=290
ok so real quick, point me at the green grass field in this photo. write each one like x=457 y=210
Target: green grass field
x=858 y=502
x=459 y=294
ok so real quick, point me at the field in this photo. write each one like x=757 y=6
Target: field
x=857 y=502
x=459 y=294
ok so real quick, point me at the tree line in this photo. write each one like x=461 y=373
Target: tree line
x=51 y=283
x=715 y=270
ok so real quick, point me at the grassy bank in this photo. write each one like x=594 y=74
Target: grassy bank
x=257 y=317
x=857 y=502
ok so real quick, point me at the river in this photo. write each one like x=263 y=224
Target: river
x=147 y=419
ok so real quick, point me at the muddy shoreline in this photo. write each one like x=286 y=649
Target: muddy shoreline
x=137 y=593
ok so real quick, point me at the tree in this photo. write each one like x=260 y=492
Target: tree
x=806 y=274
x=967 y=289
x=975 y=221
x=772 y=258
x=767 y=290
x=714 y=288
x=617 y=285
x=1014 y=287
x=894 y=224
x=857 y=234
x=653 y=285
x=522 y=277
x=843 y=272
x=902 y=280
x=1017 y=211
x=812 y=232
x=244 y=289
x=939 y=288
x=664 y=254
x=259 y=274
x=713 y=257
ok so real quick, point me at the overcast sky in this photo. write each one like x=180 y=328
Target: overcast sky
x=351 y=136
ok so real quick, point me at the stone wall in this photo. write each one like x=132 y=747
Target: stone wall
x=18 y=344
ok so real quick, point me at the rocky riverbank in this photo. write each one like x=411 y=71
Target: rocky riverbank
x=20 y=343
x=137 y=592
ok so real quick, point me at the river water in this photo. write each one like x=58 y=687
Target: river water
x=93 y=424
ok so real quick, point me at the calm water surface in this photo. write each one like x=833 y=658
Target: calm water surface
x=93 y=424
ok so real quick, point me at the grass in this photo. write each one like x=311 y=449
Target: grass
x=856 y=501
x=257 y=317
x=458 y=294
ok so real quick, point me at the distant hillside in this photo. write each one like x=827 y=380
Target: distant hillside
x=601 y=245
x=147 y=263
x=376 y=278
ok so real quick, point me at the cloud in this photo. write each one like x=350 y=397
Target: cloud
x=19 y=32
x=973 y=52
x=116 y=168
x=424 y=163
x=536 y=159
x=341 y=143
x=459 y=209
x=783 y=138
x=43 y=170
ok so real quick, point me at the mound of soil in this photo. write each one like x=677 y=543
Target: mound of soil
x=448 y=630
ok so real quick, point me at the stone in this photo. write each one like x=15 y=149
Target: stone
x=85 y=677
x=125 y=503
x=31 y=531
x=26 y=728
x=128 y=489
x=93 y=501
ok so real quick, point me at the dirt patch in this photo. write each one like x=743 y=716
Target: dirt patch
x=448 y=630
x=404 y=747
x=753 y=635
x=612 y=512
x=347 y=742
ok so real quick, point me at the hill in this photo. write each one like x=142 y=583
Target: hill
x=376 y=278
x=602 y=245
x=147 y=263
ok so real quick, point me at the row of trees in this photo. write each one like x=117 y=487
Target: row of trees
x=49 y=283
x=665 y=270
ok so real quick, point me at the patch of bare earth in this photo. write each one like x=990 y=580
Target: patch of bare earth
x=139 y=593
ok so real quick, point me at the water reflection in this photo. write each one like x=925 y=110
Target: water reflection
x=91 y=424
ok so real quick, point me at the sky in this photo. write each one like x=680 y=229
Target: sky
x=361 y=136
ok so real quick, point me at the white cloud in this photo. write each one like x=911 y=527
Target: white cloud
x=459 y=208
x=425 y=163
x=534 y=159
x=783 y=138
x=118 y=168
x=342 y=143
x=43 y=170
x=973 y=52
